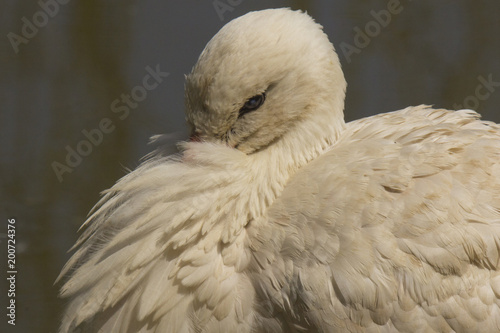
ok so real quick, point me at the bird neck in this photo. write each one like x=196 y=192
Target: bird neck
x=274 y=166
x=248 y=185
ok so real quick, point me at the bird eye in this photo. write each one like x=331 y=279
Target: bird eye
x=252 y=104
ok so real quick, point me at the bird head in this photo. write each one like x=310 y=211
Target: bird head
x=259 y=77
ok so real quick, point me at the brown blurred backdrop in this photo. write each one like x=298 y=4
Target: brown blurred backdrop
x=64 y=66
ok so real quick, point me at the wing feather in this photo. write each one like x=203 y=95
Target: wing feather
x=401 y=218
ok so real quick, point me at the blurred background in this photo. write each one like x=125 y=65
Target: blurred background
x=68 y=66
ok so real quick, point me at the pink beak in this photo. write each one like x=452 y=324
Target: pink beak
x=194 y=138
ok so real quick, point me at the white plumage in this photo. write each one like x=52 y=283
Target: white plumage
x=280 y=217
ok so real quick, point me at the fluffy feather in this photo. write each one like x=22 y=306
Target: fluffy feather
x=287 y=219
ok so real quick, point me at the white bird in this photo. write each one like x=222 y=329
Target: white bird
x=280 y=217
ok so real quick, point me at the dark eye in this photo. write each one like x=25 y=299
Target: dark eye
x=252 y=104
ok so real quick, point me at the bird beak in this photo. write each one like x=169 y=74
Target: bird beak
x=194 y=137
